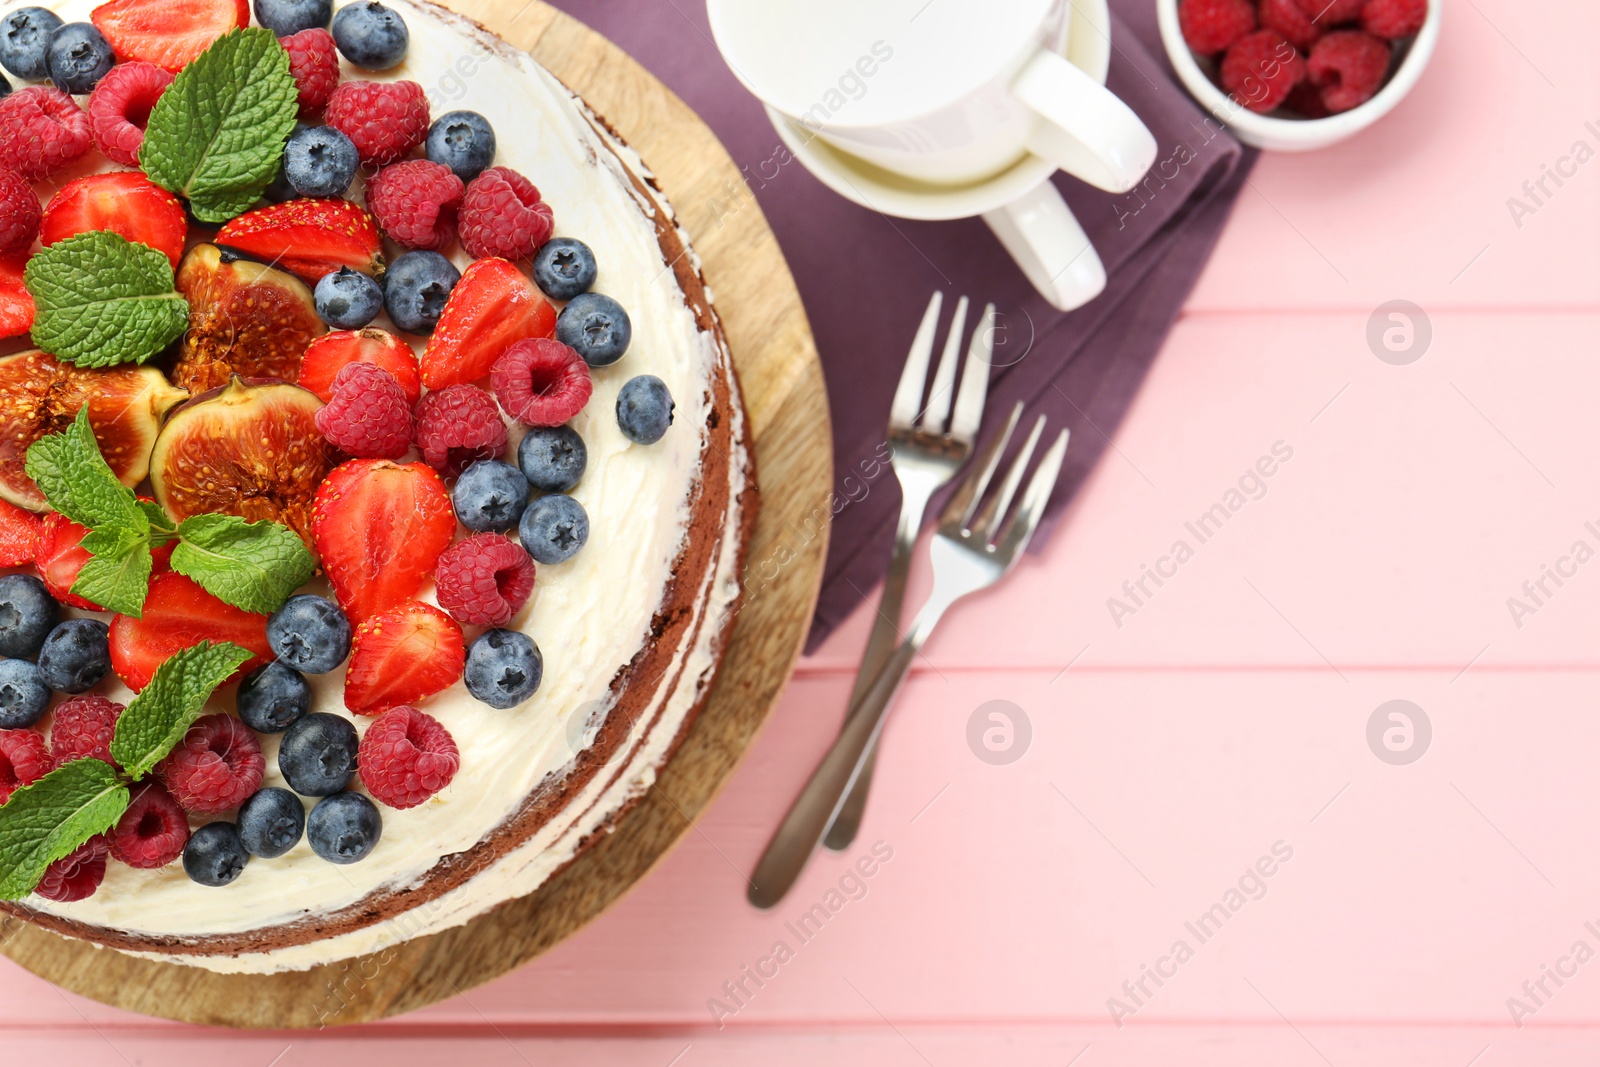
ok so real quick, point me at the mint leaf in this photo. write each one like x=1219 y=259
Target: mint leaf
x=161 y=528
x=117 y=576
x=101 y=299
x=163 y=711
x=251 y=565
x=46 y=820
x=73 y=476
x=216 y=134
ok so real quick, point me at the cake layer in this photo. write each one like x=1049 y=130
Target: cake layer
x=631 y=628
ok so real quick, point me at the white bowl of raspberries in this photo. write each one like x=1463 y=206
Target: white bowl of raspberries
x=1297 y=75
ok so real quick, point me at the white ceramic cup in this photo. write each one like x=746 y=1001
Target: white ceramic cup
x=942 y=91
x=1019 y=203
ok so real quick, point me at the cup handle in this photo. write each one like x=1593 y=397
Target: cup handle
x=1045 y=239
x=1086 y=130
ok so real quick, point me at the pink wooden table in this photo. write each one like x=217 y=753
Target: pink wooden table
x=1225 y=720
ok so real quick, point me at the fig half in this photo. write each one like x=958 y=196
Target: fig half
x=41 y=395
x=245 y=318
x=250 y=448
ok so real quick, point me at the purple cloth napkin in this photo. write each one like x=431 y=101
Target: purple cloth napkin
x=865 y=279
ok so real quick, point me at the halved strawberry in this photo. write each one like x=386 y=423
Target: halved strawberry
x=124 y=202
x=59 y=558
x=16 y=303
x=379 y=527
x=308 y=237
x=399 y=657
x=168 y=33
x=19 y=535
x=327 y=355
x=493 y=305
x=179 y=614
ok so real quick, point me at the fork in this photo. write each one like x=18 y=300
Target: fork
x=974 y=547
x=928 y=445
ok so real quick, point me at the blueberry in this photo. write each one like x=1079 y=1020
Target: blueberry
x=644 y=409
x=490 y=495
x=415 y=289
x=273 y=697
x=284 y=17
x=371 y=35
x=318 y=754
x=553 y=528
x=24 y=38
x=75 y=656
x=343 y=828
x=504 y=668
x=347 y=299
x=27 y=614
x=462 y=141
x=23 y=694
x=320 y=161
x=552 y=458
x=5 y=88
x=596 y=326
x=279 y=190
x=564 y=267
x=78 y=57
x=271 y=822
x=214 y=855
x=310 y=634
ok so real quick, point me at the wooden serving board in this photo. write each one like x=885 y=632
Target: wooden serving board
x=783 y=392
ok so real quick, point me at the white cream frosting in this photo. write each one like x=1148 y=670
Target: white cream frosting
x=589 y=616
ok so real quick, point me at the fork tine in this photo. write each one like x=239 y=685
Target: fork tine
x=974 y=379
x=908 y=394
x=989 y=519
x=1020 y=530
x=970 y=491
x=944 y=377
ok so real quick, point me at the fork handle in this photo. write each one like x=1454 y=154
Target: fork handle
x=880 y=646
x=819 y=802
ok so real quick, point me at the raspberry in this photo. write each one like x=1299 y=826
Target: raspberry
x=23 y=759
x=457 y=426
x=41 y=131
x=384 y=119
x=314 y=65
x=19 y=213
x=76 y=875
x=1261 y=69
x=406 y=757
x=1306 y=100
x=1332 y=12
x=1286 y=17
x=120 y=107
x=216 y=766
x=416 y=202
x=1210 y=26
x=541 y=382
x=1349 y=67
x=1394 y=18
x=82 y=727
x=368 y=416
x=152 y=831
x=503 y=215
x=484 y=580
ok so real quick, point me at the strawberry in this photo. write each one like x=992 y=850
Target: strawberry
x=308 y=237
x=379 y=527
x=178 y=614
x=60 y=558
x=327 y=355
x=493 y=305
x=19 y=535
x=399 y=657
x=168 y=33
x=16 y=303
x=124 y=202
